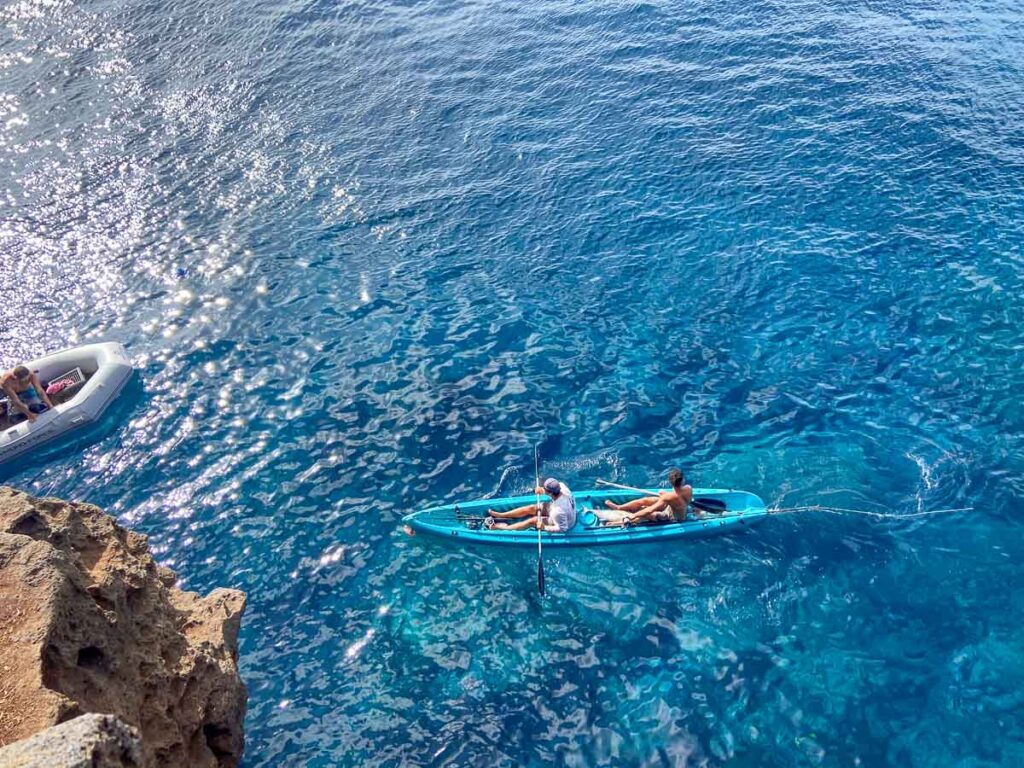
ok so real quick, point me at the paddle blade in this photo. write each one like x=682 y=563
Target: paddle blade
x=540 y=576
x=714 y=506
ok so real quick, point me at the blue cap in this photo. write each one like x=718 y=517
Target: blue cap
x=552 y=486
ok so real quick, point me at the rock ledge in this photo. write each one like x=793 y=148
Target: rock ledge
x=89 y=623
x=89 y=741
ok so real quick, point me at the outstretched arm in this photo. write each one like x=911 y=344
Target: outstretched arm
x=41 y=391
x=14 y=400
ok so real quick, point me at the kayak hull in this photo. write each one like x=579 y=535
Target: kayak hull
x=461 y=523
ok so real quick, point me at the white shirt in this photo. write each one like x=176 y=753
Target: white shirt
x=562 y=511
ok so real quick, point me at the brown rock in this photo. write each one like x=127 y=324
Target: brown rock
x=90 y=623
x=89 y=741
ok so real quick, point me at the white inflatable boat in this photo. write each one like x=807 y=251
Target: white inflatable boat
x=84 y=380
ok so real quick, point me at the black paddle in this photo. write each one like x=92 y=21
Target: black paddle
x=540 y=557
x=714 y=506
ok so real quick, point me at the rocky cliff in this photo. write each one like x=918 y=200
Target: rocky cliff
x=90 y=623
x=89 y=741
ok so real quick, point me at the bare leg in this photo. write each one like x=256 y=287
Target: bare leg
x=522 y=525
x=645 y=514
x=529 y=509
x=633 y=506
x=615 y=517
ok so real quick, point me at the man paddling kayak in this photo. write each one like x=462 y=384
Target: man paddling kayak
x=556 y=516
x=667 y=507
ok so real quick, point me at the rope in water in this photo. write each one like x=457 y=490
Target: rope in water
x=821 y=507
x=866 y=512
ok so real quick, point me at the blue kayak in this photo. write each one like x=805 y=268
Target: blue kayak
x=714 y=511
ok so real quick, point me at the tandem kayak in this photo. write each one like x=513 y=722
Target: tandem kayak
x=89 y=378
x=714 y=511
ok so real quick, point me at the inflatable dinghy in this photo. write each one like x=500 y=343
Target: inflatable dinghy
x=84 y=381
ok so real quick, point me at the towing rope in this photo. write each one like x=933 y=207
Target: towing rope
x=865 y=512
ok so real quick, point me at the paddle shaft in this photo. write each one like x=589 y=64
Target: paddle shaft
x=540 y=558
x=628 y=488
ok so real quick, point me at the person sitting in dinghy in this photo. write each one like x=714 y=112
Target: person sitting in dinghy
x=25 y=393
x=667 y=507
x=556 y=516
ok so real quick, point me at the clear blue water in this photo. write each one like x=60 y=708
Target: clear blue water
x=366 y=254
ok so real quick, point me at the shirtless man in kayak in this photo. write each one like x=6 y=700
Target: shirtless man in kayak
x=667 y=507
x=25 y=393
x=556 y=516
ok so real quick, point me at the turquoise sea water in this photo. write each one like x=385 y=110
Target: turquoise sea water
x=365 y=255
